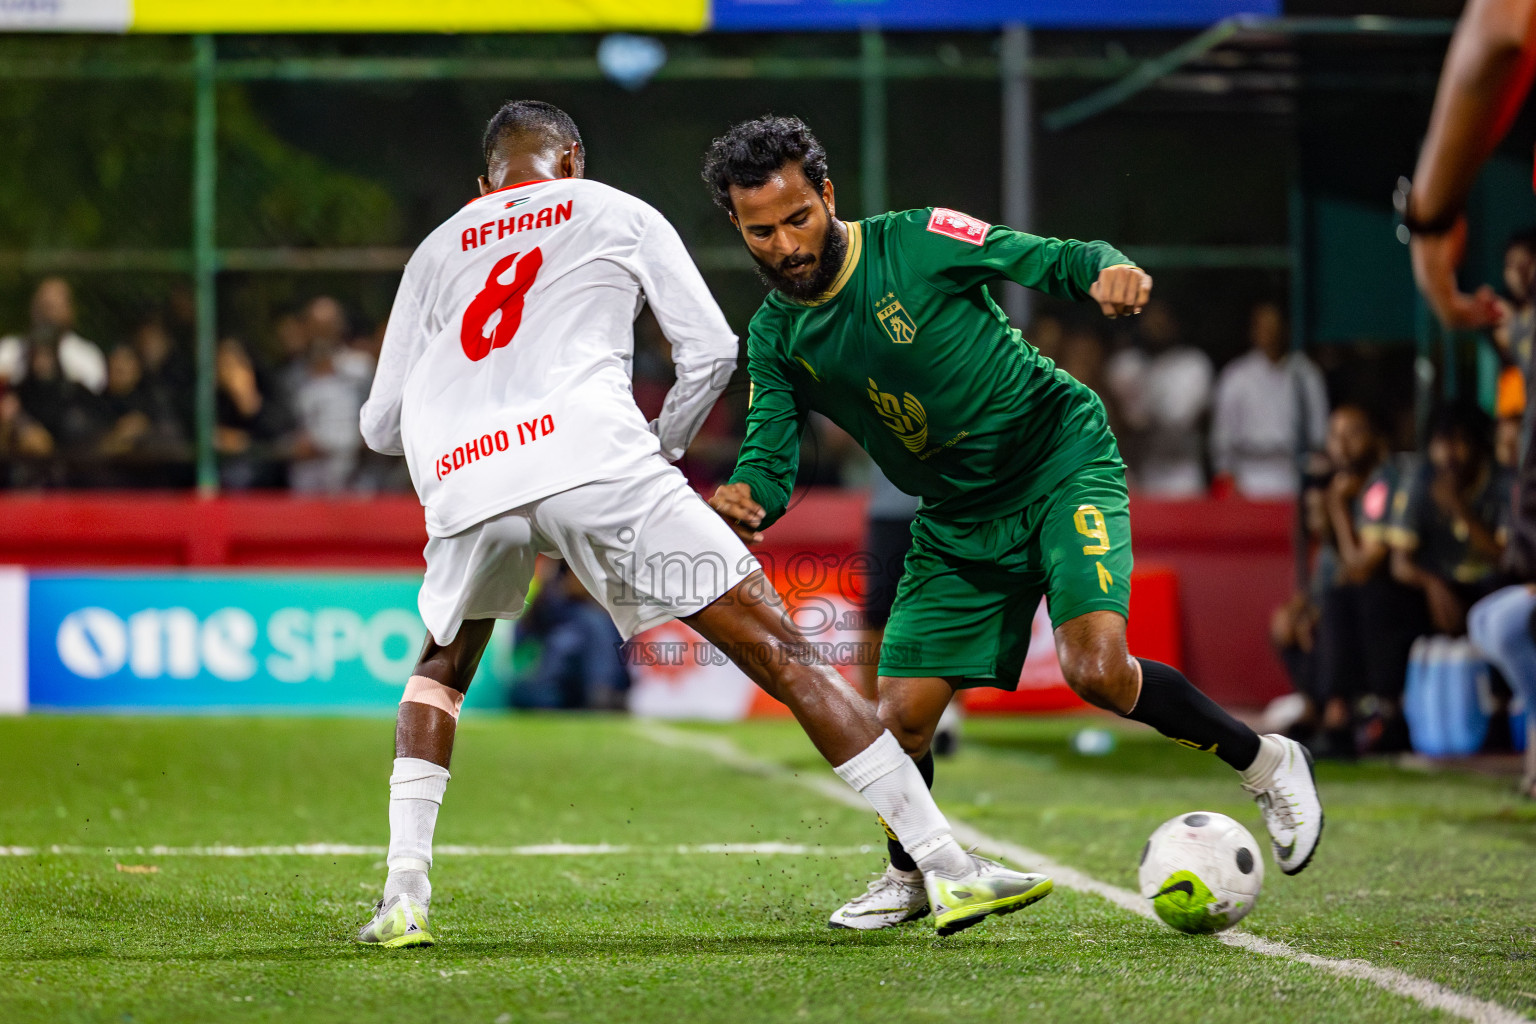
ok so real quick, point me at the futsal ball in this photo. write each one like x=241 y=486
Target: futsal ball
x=1202 y=871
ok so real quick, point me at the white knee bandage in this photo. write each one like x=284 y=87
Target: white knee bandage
x=421 y=690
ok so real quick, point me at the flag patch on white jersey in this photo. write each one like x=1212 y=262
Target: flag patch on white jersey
x=958 y=225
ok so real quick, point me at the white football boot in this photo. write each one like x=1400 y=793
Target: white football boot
x=894 y=898
x=402 y=924
x=1286 y=793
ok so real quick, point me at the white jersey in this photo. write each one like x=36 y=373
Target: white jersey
x=505 y=372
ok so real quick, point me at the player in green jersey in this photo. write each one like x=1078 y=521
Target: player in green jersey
x=886 y=326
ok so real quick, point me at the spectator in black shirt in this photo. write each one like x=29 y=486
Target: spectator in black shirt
x=57 y=404
x=1448 y=524
x=1368 y=620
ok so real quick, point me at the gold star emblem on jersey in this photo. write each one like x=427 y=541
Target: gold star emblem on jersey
x=895 y=320
x=905 y=416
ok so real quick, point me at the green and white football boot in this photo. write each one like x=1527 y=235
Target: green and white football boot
x=400 y=925
x=894 y=898
x=990 y=888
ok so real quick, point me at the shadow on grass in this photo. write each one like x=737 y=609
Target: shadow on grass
x=597 y=947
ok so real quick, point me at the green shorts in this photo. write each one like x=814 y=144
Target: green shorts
x=967 y=600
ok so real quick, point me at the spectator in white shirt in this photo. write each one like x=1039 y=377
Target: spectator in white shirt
x=1162 y=390
x=1271 y=408
x=53 y=323
x=329 y=441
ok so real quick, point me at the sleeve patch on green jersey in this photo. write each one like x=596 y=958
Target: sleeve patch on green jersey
x=958 y=225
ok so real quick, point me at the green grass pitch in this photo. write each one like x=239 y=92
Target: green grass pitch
x=1433 y=875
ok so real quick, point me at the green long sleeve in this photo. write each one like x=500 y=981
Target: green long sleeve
x=770 y=455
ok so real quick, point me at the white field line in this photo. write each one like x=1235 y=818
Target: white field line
x=442 y=850
x=1427 y=993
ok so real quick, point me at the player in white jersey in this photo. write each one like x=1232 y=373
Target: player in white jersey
x=504 y=380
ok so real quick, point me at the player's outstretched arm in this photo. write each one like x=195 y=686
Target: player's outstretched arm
x=956 y=253
x=1487 y=74
x=1121 y=290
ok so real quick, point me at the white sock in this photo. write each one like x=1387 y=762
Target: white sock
x=415 y=793
x=1271 y=754
x=890 y=781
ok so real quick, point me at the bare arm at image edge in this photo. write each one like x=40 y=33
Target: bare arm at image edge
x=1487 y=74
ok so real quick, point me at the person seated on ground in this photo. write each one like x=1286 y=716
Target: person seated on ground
x=1293 y=625
x=1368 y=620
x=1448 y=524
x=578 y=665
x=53 y=326
x=246 y=422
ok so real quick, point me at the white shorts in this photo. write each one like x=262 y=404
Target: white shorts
x=645 y=546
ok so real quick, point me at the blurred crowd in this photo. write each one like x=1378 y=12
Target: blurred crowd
x=1406 y=545
x=76 y=413
x=1185 y=430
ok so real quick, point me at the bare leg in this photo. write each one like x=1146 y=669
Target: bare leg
x=751 y=625
x=425 y=730
x=911 y=708
x=1099 y=667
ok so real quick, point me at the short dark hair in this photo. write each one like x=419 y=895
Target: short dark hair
x=1525 y=239
x=751 y=152
x=1464 y=419
x=545 y=122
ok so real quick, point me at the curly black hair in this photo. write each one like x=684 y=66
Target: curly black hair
x=545 y=121
x=1525 y=239
x=750 y=153
x=1465 y=419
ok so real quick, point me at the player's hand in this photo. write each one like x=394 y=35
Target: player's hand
x=1435 y=259
x=1344 y=486
x=735 y=505
x=1121 y=290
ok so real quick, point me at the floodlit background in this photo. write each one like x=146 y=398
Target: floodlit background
x=204 y=210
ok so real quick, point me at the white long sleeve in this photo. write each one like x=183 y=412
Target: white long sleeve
x=703 y=345
x=404 y=338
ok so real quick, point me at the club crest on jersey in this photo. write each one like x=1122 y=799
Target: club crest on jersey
x=958 y=225
x=905 y=416
x=895 y=320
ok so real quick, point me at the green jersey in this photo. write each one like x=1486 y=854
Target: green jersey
x=908 y=353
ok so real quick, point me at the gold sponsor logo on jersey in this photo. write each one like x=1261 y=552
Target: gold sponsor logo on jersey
x=895 y=320
x=905 y=416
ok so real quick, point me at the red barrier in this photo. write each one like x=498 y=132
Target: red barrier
x=1228 y=562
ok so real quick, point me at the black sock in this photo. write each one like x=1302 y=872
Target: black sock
x=900 y=859
x=1170 y=704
